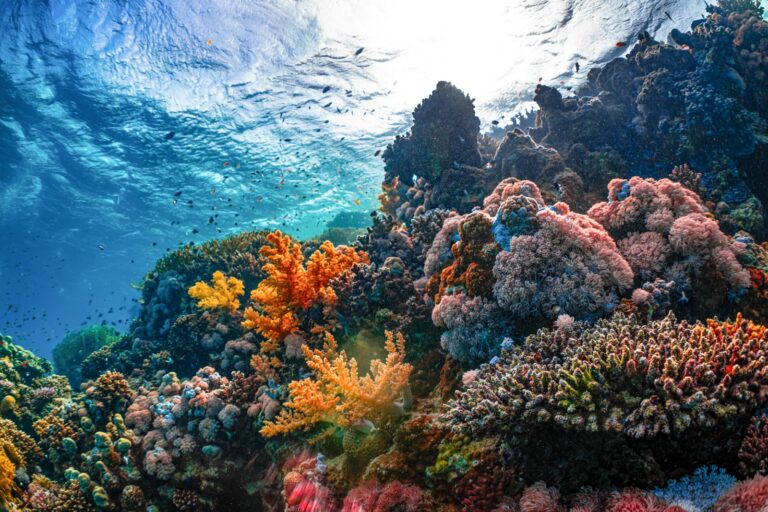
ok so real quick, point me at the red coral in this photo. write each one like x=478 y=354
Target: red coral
x=748 y=496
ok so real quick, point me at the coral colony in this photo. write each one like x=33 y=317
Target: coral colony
x=502 y=338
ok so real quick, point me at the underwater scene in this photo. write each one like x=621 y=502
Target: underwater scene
x=405 y=256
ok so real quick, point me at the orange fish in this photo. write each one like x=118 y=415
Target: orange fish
x=621 y=44
x=226 y=164
x=210 y=42
x=357 y=202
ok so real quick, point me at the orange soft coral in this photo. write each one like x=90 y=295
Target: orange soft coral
x=290 y=286
x=9 y=458
x=338 y=394
x=223 y=294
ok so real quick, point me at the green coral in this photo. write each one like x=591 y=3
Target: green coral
x=70 y=352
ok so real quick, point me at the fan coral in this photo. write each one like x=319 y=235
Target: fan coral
x=8 y=488
x=338 y=395
x=290 y=286
x=223 y=294
x=664 y=381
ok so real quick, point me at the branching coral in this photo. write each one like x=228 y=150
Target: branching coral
x=622 y=381
x=291 y=286
x=337 y=394
x=223 y=294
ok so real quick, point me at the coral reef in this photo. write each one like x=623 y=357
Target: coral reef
x=70 y=352
x=290 y=286
x=565 y=352
x=646 y=390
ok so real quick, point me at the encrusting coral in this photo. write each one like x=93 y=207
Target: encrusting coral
x=338 y=395
x=290 y=286
x=223 y=294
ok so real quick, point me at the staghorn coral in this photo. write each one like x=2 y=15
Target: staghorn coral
x=753 y=452
x=337 y=394
x=223 y=294
x=291 y=286
x=620 y=382
x=699 y=491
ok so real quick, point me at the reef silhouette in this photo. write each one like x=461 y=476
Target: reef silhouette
x=501 y=338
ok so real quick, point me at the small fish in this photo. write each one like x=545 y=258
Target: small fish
x=495 y=122
x=620 y=44
x=210 y=220
x=226 y=164
x=668 y=16
x=210 y=42
x=170 y=135
x=101 y=247
x=177 y=194
x=195 y=231
x=326 y=89
x=359 y=51
x=327 y=104
x=577 y=66
x=357 y=202
x=377 y=153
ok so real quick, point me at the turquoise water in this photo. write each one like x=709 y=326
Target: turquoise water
x=89 y=91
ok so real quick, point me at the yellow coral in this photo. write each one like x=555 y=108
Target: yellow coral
x=290 y=286
x=223 y=294
x=338 y=394
x=9 y=491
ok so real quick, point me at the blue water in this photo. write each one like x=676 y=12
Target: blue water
x=277 y=117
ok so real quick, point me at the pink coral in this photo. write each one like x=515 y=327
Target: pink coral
x=663 y=231
x=540 y=498
x=636 y=501
x=747 y=496
x=390 y=497
x=159 y=463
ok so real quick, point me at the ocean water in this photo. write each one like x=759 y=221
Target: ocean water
x=361 y=256
x=90 y=89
